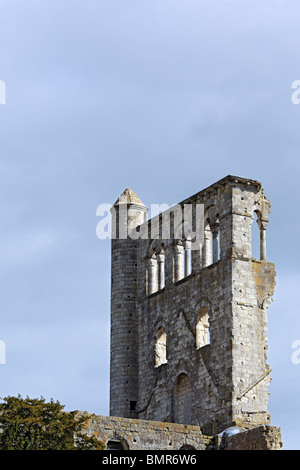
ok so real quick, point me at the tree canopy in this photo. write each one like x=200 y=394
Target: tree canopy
x=34 y=424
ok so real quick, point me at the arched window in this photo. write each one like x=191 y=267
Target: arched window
x=182 y=400
x=211 y=247
x=202 y=328
x=116 y=444
x=215 y=232
x=255 y=241
x=259 y=248
x=161 y=347
x=2 y=352
x=187 y=447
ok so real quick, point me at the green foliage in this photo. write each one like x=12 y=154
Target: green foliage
x=33 y=424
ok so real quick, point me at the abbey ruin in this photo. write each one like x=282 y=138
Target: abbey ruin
x=189 y=322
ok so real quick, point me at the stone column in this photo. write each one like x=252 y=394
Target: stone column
x=263 y=246
x=207 y=248
x=178 y=262
x=161 y=270
x=215 y=233
x=187 y=261
x=152 y=279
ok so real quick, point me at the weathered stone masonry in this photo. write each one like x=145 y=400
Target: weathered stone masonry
x=133 y=434
x=189 y=326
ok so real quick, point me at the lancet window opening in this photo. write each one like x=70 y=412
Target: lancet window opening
x=202 y=328
x=160 y=347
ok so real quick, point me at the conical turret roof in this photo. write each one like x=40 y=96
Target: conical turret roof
x=129 y=197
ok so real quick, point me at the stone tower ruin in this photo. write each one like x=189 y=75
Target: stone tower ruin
x=189 y=309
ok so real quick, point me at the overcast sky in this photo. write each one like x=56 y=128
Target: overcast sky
x=165 y=97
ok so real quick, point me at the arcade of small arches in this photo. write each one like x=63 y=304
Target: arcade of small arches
x=185 y=258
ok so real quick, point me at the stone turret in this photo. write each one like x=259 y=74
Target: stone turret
x=128 y=212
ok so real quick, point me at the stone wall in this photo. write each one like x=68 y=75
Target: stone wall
x=135 y=434
x=259 y=438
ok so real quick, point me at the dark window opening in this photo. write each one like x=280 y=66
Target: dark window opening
x=114 y=444
x=132 y=405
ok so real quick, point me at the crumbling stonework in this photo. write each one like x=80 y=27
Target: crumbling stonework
x=259 y=438
x=189 y=326
x=132 y=434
